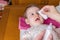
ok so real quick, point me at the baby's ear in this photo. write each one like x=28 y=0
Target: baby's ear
x=26 y=20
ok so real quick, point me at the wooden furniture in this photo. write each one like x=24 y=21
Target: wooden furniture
x=39 y=2
x=3 y=23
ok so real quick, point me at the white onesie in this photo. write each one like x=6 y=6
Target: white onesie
x=32 y=32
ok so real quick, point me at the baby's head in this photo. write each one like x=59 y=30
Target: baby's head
x=32 y=17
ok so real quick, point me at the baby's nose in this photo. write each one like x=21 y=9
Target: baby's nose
x=37 y=15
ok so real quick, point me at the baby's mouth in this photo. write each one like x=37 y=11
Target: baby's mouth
x=37 y=19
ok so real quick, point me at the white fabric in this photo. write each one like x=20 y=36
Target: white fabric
x=32 y=32
x=58 y=8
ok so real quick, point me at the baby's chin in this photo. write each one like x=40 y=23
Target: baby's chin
x=37 y=24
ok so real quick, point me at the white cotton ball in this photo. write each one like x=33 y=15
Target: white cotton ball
x=43 y=15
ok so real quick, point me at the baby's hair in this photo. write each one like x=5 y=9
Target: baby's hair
x=29 y=6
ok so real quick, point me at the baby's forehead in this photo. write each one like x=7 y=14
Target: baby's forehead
x=32 y=9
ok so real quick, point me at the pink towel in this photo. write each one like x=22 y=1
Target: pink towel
x=55 y=23
x=24 y=26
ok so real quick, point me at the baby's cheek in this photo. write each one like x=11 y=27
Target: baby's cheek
x=32 y=21
x=41 y=19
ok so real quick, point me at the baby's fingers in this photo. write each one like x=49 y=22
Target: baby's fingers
x=50 y=37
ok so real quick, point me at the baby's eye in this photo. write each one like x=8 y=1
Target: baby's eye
x=32 y=14
x=37 y=13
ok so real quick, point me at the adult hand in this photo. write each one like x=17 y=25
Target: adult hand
x=51 y=12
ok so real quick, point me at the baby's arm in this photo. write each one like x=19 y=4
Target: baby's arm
x=56 y=34
x=58 y=31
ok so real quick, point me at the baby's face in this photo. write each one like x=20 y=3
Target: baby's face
x=33 y=17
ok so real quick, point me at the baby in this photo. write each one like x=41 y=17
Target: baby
x=36 y=24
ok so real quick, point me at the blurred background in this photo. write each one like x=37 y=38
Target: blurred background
x=11 y=10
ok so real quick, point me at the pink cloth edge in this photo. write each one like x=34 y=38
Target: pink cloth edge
x=46 y=22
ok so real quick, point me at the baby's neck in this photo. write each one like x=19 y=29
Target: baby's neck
x=41 y=25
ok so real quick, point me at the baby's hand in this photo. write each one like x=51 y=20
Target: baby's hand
x=50 y=37
x=57 y=31
x=41 y=35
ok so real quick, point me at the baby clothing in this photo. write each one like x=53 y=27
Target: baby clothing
x=32 y=32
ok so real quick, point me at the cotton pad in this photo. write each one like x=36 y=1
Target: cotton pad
x=43 y=15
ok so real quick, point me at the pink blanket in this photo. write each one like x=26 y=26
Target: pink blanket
x=55 y=23
x=23 y=25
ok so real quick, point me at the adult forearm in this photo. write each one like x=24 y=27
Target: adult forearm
x=57 y=17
